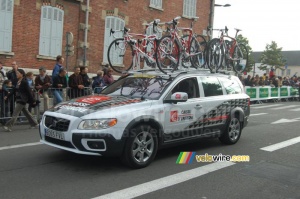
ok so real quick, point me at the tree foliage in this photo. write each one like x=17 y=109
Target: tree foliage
x=245 y=41
x=272 y=56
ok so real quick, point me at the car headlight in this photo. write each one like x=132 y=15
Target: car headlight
x=97 y=124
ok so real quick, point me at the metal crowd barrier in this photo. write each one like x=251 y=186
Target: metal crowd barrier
x=7 y=107
x=48 y=98
x=259 y=94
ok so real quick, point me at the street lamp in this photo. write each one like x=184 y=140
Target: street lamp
x=212 y=11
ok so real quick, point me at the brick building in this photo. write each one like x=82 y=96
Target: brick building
x=33 y=32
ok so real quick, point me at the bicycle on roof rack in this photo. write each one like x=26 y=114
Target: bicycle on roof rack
x=173 y=51
x=226 y=53
x=132 y=51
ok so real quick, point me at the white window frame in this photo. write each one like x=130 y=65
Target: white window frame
x=157 y=4
x=115 y=23
x=189 y=8
x=51 y=31
x=6 y=25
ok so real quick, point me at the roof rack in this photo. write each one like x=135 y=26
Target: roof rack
x=176 y=73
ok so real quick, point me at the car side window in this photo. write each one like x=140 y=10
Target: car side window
x=211 y=86
x=231 y=86
x=189 y=86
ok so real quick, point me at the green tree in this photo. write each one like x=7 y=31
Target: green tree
x=272 y=57
x=245 y=41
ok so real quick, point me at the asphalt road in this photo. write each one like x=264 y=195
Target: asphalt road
x=39 y=171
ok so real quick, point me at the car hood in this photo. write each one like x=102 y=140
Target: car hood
x=86 y=105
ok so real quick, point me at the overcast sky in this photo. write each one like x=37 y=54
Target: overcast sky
x=262 y=21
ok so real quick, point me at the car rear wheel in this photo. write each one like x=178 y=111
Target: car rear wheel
x=141 y=147
x=233 y=132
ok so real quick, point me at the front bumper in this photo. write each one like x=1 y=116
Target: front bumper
x=81 y=143
x=99 y=143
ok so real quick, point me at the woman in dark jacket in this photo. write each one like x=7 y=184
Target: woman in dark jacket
x=23 y=96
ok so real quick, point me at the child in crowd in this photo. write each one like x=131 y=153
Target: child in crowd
x=6 y=104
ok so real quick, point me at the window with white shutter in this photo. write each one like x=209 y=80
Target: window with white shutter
x=189 y=8
x=6 y=23
x=114 y=23
x=51 y=31
x=156 y=4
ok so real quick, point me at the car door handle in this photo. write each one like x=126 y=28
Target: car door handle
x=198 y=106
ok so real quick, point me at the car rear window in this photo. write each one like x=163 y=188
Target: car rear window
x=231 y=86
x=211 y=86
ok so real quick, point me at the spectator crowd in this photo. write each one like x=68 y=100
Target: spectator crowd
x=19 y=90
x=271 y=80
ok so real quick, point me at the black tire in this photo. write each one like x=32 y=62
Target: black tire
x=227 y=62
x=134 y=143
x=240 y=53
x=214 y=55
x=114 y=49
x=233 y=131
x=199 y=61
x=167 y=54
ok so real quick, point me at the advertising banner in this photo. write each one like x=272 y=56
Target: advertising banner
x=284 y=92
x=267 y=92
x=251 y=92
x=274 y=92
x=263 y=92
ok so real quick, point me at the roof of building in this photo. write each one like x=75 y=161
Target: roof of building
x=292 y=57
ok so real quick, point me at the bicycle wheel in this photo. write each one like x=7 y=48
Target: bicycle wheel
x=215 y=55
x=227 y=61
x=167 y=54
x=120 y=54
x=198 y=45
x=149 y=58
x=240 y=58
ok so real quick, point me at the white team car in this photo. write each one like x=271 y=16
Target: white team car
x=145 y=111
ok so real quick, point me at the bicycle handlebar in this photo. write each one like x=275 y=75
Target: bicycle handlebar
x=124 y=31
x=177 y=18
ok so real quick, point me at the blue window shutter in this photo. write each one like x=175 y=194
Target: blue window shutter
x=56 y=32
x=6 y=24
x=116 y=24
x=45 y=31
x=107 y=38
x=194 y=8
x=51 y=31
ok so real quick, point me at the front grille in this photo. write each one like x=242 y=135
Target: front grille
x=59 y=142
x=57 y=124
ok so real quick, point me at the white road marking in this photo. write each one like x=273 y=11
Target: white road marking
x=167 y=181
x=283 y=120
x=268 y=106
x=297 y=109
x=258 y=114
x=19 y=146
x=281 y=145
x=284 y=107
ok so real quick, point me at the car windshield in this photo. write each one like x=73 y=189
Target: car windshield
x=138 y=87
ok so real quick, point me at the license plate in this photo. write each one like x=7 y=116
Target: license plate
x=54 y=134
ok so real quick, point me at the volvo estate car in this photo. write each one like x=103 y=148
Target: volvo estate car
x=146 y=111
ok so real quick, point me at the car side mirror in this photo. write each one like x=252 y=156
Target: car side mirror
x=177 y=97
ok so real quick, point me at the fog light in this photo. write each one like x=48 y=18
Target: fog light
x=96 y=144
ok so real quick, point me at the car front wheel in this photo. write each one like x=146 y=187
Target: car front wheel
x=232 y=133
x=141 y=147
